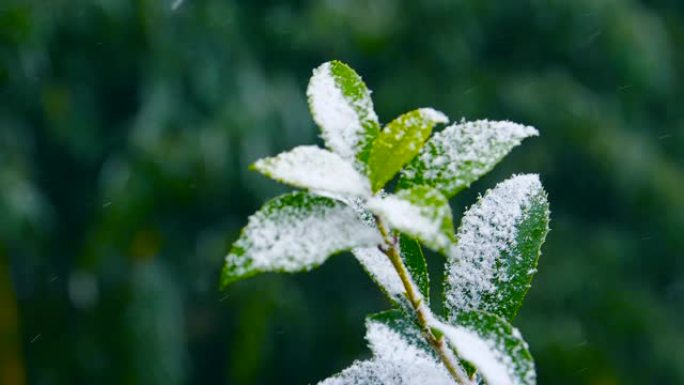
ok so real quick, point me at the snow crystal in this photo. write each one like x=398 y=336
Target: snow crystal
x=378 y=265
x=457 y=156
x=315 y=169
x=338 y=114
x=297 y=232
x=489 y=229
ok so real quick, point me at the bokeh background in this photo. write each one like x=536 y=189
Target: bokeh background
x=126 y=129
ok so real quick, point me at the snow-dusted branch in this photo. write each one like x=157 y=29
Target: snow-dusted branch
x=423 y=314
x=489 y=261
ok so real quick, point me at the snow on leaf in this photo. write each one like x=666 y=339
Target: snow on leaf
x=380 y=372
x=399 y=142
x=401 y=356
x=460 y=154
x=387 y=330
x=493 y=347
x=379 y=267
x=498 y=247
x=315 y=169
x=295 y=232
x=381 y=270
x=421 y=212
x=341 y=105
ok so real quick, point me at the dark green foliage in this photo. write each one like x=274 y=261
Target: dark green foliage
x=532 y=232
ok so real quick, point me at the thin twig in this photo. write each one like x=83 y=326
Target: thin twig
x=422 y=314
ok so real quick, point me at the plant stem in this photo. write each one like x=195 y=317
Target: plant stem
x=423 y=315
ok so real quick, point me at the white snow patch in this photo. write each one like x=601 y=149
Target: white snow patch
x=396 y=362
x=315 y=169
x=336 y=114
x=292 y=238
x=457 y=156
x=403 y=214
x=387 y=344
x=381 y=372
x=488 y=230
x=430 y=114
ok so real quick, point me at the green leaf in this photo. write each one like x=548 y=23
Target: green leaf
x=399 y=142
x=315 y=169
x=381 y=270
x=420 y=212
x=295 y=232
x=341 y=105
x=414 y=259
x=498 y=248
x=456 y=157
x=493 y=347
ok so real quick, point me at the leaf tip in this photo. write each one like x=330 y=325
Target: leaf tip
x=433 y=115
x=518 y=130
x=257 y=166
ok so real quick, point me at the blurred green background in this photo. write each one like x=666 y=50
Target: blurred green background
x=126 y=129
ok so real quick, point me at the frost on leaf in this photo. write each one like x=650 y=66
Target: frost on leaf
x=295 y=232
x=342 y=107
x=393 y=337
x=456 y=157
x=380 y=372
x=379 y=267
x=498 y=247
x=400 y=357
x=399 y=142
x=421 y=212
x=492 y=346
x=315 y=169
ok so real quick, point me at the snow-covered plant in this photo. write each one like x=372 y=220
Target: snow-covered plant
x=490 y=261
